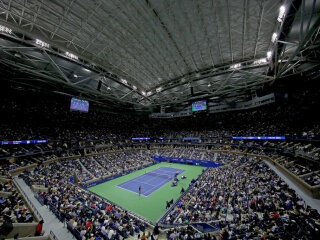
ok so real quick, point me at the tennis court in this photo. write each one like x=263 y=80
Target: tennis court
x=153 y=206
x=151 y=181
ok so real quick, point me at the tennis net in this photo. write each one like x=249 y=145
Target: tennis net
x=160 y=175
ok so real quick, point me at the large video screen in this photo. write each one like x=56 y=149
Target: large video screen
x=79 y=105
x=199 y=105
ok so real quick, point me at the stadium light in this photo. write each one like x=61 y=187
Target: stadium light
x=235 y=66
x=269 y=54
x=124 y=81
x=260 y=61
x=134 y=87
x=108 y=88
x=87 y=70
x=209 y=85
x=159 y=89
x=72 y=56
x=75 y=75
x=143 y=93
x=5 y=29
x=282 y=13
x=274 y=37
x=42 y=43
x=149 y=93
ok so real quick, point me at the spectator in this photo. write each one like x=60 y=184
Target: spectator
x=39 y=231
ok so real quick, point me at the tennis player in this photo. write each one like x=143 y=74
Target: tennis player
x=140 y=190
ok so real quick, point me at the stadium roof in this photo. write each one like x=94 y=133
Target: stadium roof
x=147 y=53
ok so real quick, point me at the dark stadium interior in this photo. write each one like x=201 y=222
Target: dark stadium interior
x=217 y=100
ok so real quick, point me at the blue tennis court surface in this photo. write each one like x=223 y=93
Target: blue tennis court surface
x=151 y=181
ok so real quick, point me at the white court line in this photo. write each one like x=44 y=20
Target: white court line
x=171 y=173
x=131 y=191
x=153 y=176
x=159 y=185
x=170 y=168
x=163 y=172
x=153 y=186
x=136 y=180
x=143 y=183
x=179 y=170
x=141 y=176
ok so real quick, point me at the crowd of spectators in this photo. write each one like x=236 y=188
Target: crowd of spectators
x=44 y=174
x=117 y=163
x=89 y=168
x=299 y=170
x=13 y=209
x=247 y=200
x=237 y=199
x=313 y=179
x=87 y=215
x=196 y=153
x=94 y=167
x=105 y=165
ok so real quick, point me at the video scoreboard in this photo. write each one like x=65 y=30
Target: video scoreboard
x=199 y=105
x=79 y=105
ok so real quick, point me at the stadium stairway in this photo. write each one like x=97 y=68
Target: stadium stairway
x=84 y=168
x=181 y=154
x=51 y=222
x=191 y=154
x=314 y=203
x=93 y=159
